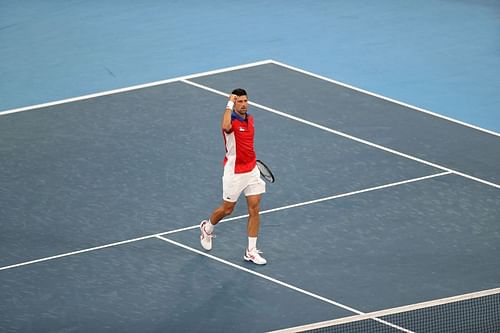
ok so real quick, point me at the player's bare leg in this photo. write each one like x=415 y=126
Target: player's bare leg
x=253 y=226
x=207 y=227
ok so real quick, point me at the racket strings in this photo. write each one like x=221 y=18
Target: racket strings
x=265 y=172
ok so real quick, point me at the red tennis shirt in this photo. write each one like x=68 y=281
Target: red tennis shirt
x=240 y=154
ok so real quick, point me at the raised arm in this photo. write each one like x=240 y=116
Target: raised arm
x=226 y=118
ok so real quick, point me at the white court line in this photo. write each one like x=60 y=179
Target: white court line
x=233 y=68
x=140 y=86
x=281 y=283
x=385 y=98
x=225 y=220
x=78 y=252
x=338 y=196
x=351 y=137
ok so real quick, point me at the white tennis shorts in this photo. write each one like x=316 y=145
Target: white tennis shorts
x=249 y=183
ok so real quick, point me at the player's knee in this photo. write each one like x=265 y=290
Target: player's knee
x=253 y=210
x=228 y=210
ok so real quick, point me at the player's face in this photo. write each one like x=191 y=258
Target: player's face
x=241 y=105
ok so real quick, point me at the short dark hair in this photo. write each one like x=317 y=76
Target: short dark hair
x=239 y=92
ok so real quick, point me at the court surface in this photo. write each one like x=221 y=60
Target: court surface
x=377 y=205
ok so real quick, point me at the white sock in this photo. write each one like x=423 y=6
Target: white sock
x=209 y=227
x=252 y=242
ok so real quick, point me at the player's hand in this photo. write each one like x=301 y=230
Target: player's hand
x=233 y=98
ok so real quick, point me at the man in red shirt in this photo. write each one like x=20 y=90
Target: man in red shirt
x=240 y=174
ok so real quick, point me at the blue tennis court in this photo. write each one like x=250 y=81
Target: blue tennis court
x=378 y=205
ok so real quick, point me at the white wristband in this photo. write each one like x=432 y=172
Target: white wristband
x=230 y=105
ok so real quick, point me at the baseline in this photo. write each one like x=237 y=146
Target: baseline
x=233 y=68
x=131 y=88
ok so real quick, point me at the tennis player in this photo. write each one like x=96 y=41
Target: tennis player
x=240 y=175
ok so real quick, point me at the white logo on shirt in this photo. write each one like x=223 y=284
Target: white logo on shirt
x=242 y=129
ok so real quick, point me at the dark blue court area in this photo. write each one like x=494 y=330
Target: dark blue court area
x=377 y=205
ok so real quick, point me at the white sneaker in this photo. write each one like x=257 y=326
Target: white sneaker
x=254 y=256
x=205 y=237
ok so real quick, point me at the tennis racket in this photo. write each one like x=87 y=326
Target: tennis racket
x=265 y=172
